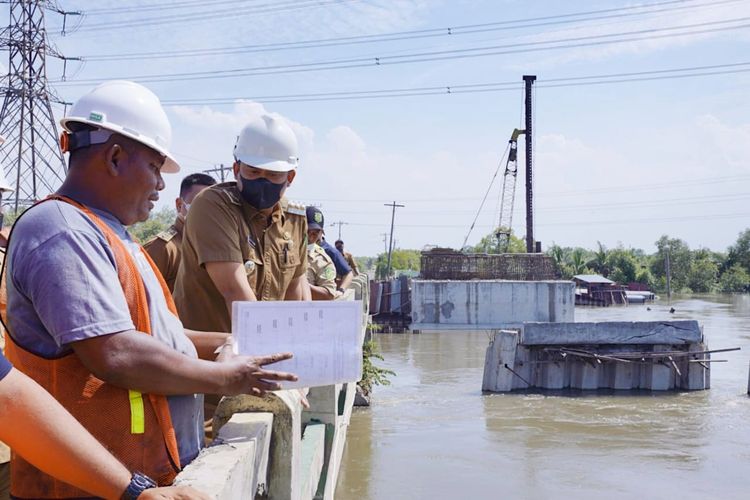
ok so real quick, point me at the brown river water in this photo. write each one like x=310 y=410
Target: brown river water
x=433 y=434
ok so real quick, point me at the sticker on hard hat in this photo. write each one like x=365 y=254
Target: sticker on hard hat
x=318 y=217
x=96 y=117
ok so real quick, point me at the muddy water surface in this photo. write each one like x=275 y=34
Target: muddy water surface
x=433 y=434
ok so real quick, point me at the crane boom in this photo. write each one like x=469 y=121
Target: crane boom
x=505 y=222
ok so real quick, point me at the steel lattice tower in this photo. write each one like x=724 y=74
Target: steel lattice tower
x=31 y=154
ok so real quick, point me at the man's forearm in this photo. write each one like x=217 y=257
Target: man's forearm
x=321 y=293
x=243 y=296
x=206 y=343
x=43 y=433
x=134 y=360
x=297 y=289
x=346 y=280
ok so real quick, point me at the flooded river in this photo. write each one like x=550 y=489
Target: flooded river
x=432 y=434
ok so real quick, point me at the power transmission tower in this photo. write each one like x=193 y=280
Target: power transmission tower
x=31 y=154
x=390 y=246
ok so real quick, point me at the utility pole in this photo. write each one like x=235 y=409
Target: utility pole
x=668 y=270
x=31 y=154
x=339 y=224
x=385 y=242
x=529 y=81
x=221 y=169
x=394 y=206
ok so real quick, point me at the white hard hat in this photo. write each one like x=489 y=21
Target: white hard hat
x=130 y=109
x=267 y=142
x=4 y=184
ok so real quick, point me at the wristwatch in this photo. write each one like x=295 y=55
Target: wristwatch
x=138 y=484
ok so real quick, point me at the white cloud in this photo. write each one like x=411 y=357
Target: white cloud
x=730 y=144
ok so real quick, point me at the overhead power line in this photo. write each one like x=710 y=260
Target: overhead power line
x=694 y=71
x=615 y=205
x=574 y=192
x=448 y=31
x=166 y=6
x=645 y=220
x=206 y=15
x=563 y=43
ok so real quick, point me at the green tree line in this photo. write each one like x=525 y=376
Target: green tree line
x=700 y=270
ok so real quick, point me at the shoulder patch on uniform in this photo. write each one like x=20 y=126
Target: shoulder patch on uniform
x=167 y=234
x=320 y=250
x=229 y=191
x=296 y=208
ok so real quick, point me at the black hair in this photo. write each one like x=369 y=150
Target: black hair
x=339 y=241
x=195 y=180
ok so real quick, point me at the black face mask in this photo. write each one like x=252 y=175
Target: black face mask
x=261 y=193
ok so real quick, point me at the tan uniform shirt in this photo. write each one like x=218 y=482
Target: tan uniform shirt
x=352 y=263
x=222 y=227
x=164 y=249
x=320 y=269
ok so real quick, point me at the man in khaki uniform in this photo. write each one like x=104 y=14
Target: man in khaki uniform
x=164 y=249
x=348 y=256
x=244 y=241
x=321 y=273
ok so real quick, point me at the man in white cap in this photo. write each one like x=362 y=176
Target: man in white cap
x=90 y=318
x=243 y=240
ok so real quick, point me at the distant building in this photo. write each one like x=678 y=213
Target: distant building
x=596 y=290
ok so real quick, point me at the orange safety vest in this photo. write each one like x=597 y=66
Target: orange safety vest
x=136 y=430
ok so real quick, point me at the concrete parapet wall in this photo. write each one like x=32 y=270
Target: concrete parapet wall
x=286 y=445
x=489 y=304
x=236 y=464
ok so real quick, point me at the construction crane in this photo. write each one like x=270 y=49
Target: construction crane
x=508 y=196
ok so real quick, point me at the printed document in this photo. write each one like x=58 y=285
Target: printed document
x=325 y=338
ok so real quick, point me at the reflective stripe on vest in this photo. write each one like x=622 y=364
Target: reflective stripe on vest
x=137 y=413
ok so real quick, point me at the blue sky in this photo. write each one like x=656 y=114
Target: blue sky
x=618 y=162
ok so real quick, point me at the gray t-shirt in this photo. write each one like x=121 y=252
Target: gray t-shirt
x=64 y=288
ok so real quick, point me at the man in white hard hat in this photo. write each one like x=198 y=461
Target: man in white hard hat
x=89 y=317
x=243 y=239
